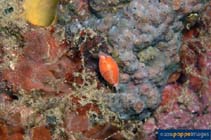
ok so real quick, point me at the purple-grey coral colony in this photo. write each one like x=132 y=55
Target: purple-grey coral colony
x=146 y=36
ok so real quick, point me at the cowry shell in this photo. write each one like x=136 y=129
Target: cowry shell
x=109 y=69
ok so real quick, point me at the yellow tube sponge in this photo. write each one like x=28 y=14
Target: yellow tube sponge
x=40 y=12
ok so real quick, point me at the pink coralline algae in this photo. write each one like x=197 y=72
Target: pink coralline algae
x=43 y=65
x=186 y=104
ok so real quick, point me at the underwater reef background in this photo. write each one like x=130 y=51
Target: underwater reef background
x=51 y=87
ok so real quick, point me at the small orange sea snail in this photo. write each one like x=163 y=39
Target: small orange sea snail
x=109 y=69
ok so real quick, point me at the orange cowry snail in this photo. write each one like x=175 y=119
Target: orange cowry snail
x=109 y=69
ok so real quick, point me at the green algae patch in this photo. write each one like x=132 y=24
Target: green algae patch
x=148 y=54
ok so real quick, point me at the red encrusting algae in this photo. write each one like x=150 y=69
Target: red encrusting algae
x=43 y=65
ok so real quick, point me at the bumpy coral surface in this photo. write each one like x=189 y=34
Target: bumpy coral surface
x=144 y=37
x=186 y=103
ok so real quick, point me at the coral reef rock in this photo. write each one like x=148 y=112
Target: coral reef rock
x=145 y=36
